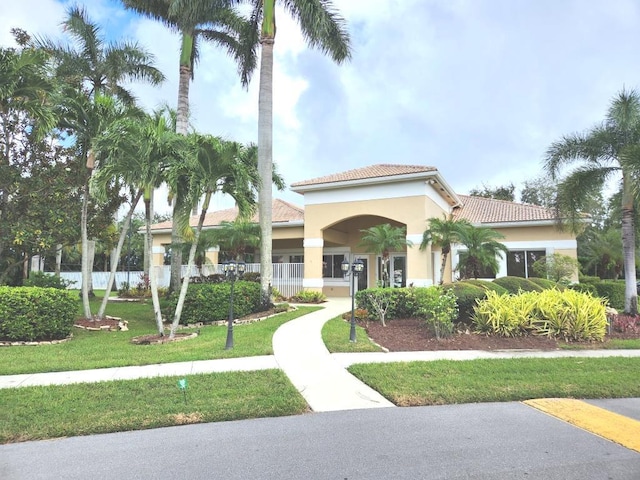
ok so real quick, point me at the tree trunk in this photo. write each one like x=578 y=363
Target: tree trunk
x=182 y=127
x=190 y=262
x=58 y=259
x=91 y=257
x=628 y=247
x=265 y=162
x=86 y=307
x=152 y=275
x=114 y=265
x=445 y=254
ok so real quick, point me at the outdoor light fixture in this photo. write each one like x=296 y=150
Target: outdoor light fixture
x=232 y=270
x=355 y=269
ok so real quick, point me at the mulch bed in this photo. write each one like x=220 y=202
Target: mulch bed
x=411 y=335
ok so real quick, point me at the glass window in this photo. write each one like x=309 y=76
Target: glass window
x=331 y=266
x=296 y=258
x=520 y=262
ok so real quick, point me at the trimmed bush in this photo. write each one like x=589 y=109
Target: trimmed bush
x=209 y=302
x=488 y=285
x=546 y=284
x=36 y=314
x=438 y=308
x=589 y=279
x=613 y=291
x=467 y=295
x=517 y=284
x=584 y=288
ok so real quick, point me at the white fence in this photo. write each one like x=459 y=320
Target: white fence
x=287 y=277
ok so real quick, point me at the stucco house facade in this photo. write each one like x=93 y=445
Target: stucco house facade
x=327 y=229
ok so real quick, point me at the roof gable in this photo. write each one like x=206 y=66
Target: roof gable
x=488 y=210
x=365 y=173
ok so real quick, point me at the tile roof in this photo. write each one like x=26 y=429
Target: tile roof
x=373 y=171
x=282 y=212
x=488 y=210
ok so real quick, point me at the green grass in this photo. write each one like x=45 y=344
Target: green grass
x=446 y=382
x=89 y=349
x=34 y=413
x=609 y=344
x=335 y=334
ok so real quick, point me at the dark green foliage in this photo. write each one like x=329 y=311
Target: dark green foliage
x=588 y=279
x=35 y=314
x=46 y=280
x=516 y=284
x=585 y=288
x=487 y=285
x=546 y=284
x=251 y=277
x=613 y=291
x=398 y=305
x=468 y=295
x=207 y=302
x=308 y=296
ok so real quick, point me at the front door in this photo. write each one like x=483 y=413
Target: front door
x=363 y=278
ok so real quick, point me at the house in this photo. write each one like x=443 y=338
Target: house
x=337 y=207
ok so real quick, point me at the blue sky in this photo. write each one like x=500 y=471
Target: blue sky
x=476 y=88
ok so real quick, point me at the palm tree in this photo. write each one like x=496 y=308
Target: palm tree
x=482 y=251
x=197 y=20
x=235 y=237
x=96 y=67
x=609 y=150
x=323 y=28
x=93 y=68
x=382 y=240
x=442 y=233
x=601 y=251
x=215 y=166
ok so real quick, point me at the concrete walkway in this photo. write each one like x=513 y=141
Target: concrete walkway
x=299 y=351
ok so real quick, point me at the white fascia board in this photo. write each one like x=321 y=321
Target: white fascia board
x=530 y=223
x=541 y=244
x=289 y=224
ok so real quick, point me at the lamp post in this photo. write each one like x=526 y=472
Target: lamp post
x=355 y=269
x=232 y=271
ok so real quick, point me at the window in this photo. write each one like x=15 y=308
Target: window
x=520 y=262
x=296 y=258
x=331 y=266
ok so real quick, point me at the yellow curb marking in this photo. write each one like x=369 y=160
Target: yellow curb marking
x=612 y=426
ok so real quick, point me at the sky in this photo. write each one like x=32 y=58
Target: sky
x=476 y=88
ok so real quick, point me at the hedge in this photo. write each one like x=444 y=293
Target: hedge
x=488 y=285
x=612 y=290
x=209 y=302
x=546 y=283
x=468 y=295
x=36 y=314
x=517 y=284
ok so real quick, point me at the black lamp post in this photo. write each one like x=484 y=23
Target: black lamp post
x=232 y=270
x=355 y=269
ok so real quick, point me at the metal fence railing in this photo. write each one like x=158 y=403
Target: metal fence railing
x=287 y=277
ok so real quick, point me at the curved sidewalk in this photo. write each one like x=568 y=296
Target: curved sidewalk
x=324 y=384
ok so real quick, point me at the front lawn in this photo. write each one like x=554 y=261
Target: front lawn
x=34 y=413
x=501 y=380
x=89 y=349
x=335 y=335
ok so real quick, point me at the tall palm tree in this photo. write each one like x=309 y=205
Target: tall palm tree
x=482 y=251
x=94 y=66
x=323 y=28
x=197 y=20
x=382 y=240
x=606 y=151
x=442 y=232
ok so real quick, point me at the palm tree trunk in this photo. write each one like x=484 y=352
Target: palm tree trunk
x=114 y=265
x=182 y=127
x=628 y=247
x=149 y=248
x=190 y=262
x=85 y=248
x=265 y=161
x=445 y=254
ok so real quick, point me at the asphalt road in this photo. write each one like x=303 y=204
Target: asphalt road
x=477 y=441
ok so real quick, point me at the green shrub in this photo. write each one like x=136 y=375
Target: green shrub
x=209 y=302
x=613 y=291
x=439 y=309
x=589 y=279
x=47 y=280
x=35 y=314
x=546 y=284
x=584 y=288
x=251 y=277
x=517 y=284
x=399 y=302
x=308 y=296
x=569 y=314
x=467 y=295
x=488 y=285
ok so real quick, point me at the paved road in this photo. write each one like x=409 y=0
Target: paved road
x=477 y=441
